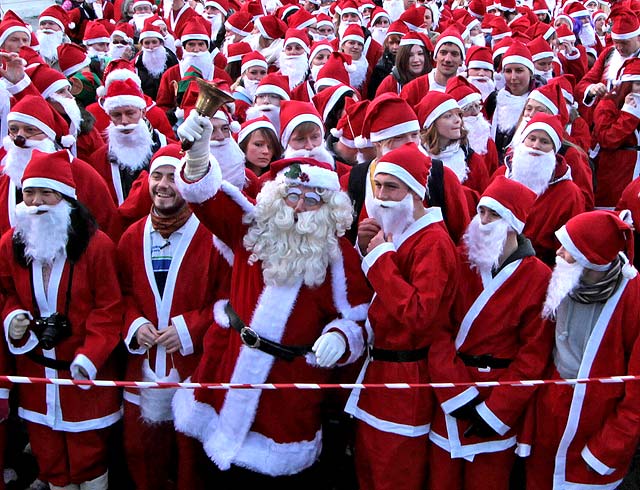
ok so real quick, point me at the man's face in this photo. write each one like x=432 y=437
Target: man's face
x=101 y=47
x=326 y=30
x=487 y=215
x=303 y=198
x=37 y=196
x=293 y=49
x=448 y=59
x=125 y=115
x=350 y=18
x=305 y=141
x=26 y=131
x=389 y=188
x=16 y=41
x=49 y=25
x=545 y=64
x=143 y=9
x=151 y=42
x=626 y=47
x=268 y=99
x=564 y=253
x=164 y=193
x=195 y=46
x=221 y=130
x=211 y=10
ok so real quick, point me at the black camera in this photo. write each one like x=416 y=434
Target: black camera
x=51 y=330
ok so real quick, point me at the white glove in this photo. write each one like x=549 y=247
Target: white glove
x=329 y=348
x=18 y=326
x=196 y=129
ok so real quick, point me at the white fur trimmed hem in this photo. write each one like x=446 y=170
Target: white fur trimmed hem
x=201 y=190
x=258 y=452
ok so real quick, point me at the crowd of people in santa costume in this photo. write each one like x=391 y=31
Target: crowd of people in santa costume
x=389 y=192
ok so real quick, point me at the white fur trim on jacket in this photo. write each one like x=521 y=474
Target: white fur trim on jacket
x=32 y=341
x=237 y=196
x=201 y=190
x=224 y=250
x=219 y=315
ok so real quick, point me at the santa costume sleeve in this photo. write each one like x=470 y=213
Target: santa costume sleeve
x=612 y=126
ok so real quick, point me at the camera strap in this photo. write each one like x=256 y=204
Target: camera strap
x=39 y=358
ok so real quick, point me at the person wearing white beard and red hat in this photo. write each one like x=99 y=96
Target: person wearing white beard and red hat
x=52 y=24
x=153 y=60
x=62 y=316
x=252 y=70
x=498 y=334
x=272 y=90
x=132 y=142
x=352 y=43
x=412 y=265
x=480 y=70
x=33 y=124
x=587 y=434
x=269 y=40
x=296 y=282
x=536 y=163
x=170 y=273
x=294 y=58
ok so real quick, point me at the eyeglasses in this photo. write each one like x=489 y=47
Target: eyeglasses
x=310 y=199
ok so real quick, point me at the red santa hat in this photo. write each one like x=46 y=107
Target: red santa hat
x=377 y=14
x=286 y=10
x=118 y=70
x=552 y=98
x=397 y=28
x=47 y=80
x=413 y=17
x=270 y=27
x=408 y=164
x=498 y=28
x=433 y=105
x=388 y=115
x=141 y=3
x=57 y=15
x=251 y=60
x=236 y=51
x=477 y=8
x=254 y=8
x=506 y=5
x=576 y=9
x=518 y=54
x=95 y=33
x=552 y=125
x=595 y=238
x=150 y=31
x=625 y=23
x=539 y=49
x=335 y=71
x=464 y=92
x=274 y=83
x=565 y=34
x=564 y=17
x=297 y=36
x=327 y=99
x=195 y=30
x=125 y=31
x=479 y=57
x=292 y=114
x=167 y=155
x=450 y=35
x=221 y=5
x=51 y=171
x=35 y=111
x=11 y=24
x=223 y=115
x=301 y=19
x=318 y=47
x=240 y=23
x=540 y=29
x=598 y=14
x=349 y=126
x=121 y=93
x=323 y=20
x=417 y=39
x=31 y=57
x=348 y=7
x=630 y=71
x=251 y=125
x=353 y=32
x=510 y=199
x=72 y=58
x=305 y=171
x=501 y=47
x=567 y=83
x=540 y=7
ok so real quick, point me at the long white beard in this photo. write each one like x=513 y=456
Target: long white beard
x=44 y=235
x=518 y=132
x=295 y=246
x=547 y=75
x=295 y=67
x=116 y=51
x=131 y=150
x=269 y=110
x=378 y=34
x=478 y=40
x=49 y=42
x=394 y=8
x=453 y=157
x=532 y=168
x=154 y=60
x=508 y=109
x=216 y=24
x=170 y=43
x=478 y=131
x=587 y=35
x=203 y=61
x=394 y=217
x=485 y=243
x=484 y=84
x=315 y=69
x=71 y=109
x=231 y=160
x=319 y=153
x=614 y=63
x=359 y=75
x=499 y=80
x=138 y=20
x=17 y=158
x=564 y=279
x=250 y=87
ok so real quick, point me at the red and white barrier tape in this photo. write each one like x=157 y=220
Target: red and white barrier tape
x=315 y=386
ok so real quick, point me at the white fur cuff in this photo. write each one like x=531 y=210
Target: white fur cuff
x=353 y=333
x=634 y=111
x=219 y=315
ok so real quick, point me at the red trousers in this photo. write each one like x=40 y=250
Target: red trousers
x=68 y=457
x=488 y=470
x=150 y=450
x=387 y=461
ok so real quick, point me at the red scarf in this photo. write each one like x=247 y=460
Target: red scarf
x=166 y=225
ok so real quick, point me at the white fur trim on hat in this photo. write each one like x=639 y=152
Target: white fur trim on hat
x=469 y=99
x=295 y=122
x=352 y=37
x=272 y=89
x=447 y=105
x=122 y=74
x=482 y=65
x=111 y=103
x=194 y=37
x=261 y=29
x=498 y=52
x=538 y=125
x=72 y=69
x=348 y=143
x=95 y=40
x=151 y=35
x=296 y=40
x=317 y=177
x=520 y=60
x=398 y=129
x=54 y=87
x=164 y=160
x=542 y=55
x=504 y=212
x=48 y=183
x=246 y=131
x=566 y=241
x=452 y=40
x=33 y=121
x=397 y=171
x=49 y=18
x=333 y=100
x=67 y=141
x=235 y=30
x=544 y=100
x=251 y=63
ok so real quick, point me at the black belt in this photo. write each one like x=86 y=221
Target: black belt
x=398 y=355
x=50 y=363
x=250 y=338
x=630 y=148
x=484 y=361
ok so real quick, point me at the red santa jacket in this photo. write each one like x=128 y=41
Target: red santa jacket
x=95 y=314
x=630 y=200
x=497 y=316
x=416 y=89
x=389 y=84
x=275 y=432
x=197 y=275
x=415 y=284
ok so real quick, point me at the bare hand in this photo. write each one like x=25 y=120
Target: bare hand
x=367 y=229
x=630 y=99
x=379 y=239
x=169 y=339
x=18 y=326
x=13 y=70
x=147 y=335
x=598 y=90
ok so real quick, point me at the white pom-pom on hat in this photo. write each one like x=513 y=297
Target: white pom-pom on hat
x=71 y=25
x=361 y=142
x=234 y=126
x=351 y=68
x=336 y=133
x=67 y=141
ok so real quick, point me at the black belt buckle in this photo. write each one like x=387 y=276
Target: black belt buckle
x=249 y=337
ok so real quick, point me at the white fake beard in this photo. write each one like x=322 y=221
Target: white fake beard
x=547 y=75
x=485 y=243
x=453 y=157
x=138 y=20
x=508 y=109
x=532 y=168
x=269 y=110
x=250 y=87
x=170 y=43
x=231 y=160
x=49 y=42
x=293 y=246
x=154 y=60
x=587 y=35
x=203 y=61
x=485 y=84
x=614 y=64
x=378 y=34
x=17 y=158
x=71 y=109
x=564 y=279
x=499 y=80
x=358 y=77
x=395 y=8
x=518 y=132
x=44 y=235
x=216 y=24
x=478 y=40
x=319 y=153
x=116 y=51
x=315 y=69
x=131 y=150
x=394 y=217
x=100 y=55
x=478 y=131
x=295 y=67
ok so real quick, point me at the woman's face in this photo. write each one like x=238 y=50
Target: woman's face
x=532 y=107
x=449 y=125
x=321 y=58
x=256 y=73
x=416 y=60
x=353 y=48
x=517 y=77
x=428 y=19
x=382 y=22
x=259 y=151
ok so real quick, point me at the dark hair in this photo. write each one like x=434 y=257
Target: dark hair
x=82 y=227
x=233 y=69
x=336 y=112
x=402 y=63
x=272 y=141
